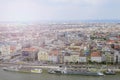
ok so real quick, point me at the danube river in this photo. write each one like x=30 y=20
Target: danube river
x=4 y=75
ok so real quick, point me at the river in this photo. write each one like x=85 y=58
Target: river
x=5 y=75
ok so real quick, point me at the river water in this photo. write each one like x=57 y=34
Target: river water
x=5 y=75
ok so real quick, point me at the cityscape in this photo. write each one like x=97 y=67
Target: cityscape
x=59 y=40
x=60 y=43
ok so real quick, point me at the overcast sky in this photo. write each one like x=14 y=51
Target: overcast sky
x=37 y=10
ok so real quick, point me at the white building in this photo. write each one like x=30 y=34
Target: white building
x=96 y=57
x=82 y=59
x=53 y=56
x=116 y=56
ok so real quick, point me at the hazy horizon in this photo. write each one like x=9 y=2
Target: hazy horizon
x=58 y=10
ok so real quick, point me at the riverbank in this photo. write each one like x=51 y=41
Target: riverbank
x=102 y=68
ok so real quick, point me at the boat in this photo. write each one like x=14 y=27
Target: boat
x=65 y=70
x=110 y=72
x=36 y=71
x=22 y=69
x=12 y=68
x=55 y=71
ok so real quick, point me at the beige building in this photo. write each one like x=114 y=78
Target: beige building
x=67 y=58
x=5 y=49
x=71 y=57
x=75 y=58
x=43 y=55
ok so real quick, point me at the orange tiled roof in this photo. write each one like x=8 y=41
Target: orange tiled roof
x=29 y=49
x=110 y=41
x=12 y=47
x=117 y=47
x=82 y=55
x=54 y=52
x=95 y=54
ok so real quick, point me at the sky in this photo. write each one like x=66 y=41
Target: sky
x=59 y=10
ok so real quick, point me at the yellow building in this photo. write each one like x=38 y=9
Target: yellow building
x=71 y=58
x=43 y=55
x=75 y=58
x=5 y=50
x=67 y=59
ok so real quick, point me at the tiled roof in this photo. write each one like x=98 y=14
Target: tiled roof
x=96 y=54
x=82 y=55
x=111 y=41
x=12 y=47
x=54 y=52
x=29 y=49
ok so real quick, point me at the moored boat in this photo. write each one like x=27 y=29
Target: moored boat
x=12 y=68
x=65 y=70
x=22 y=69
x=110 y=72
x=36 y=71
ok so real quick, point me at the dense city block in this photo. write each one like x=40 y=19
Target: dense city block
x=65 y=43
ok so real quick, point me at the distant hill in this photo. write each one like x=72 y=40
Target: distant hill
x=62 y=21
